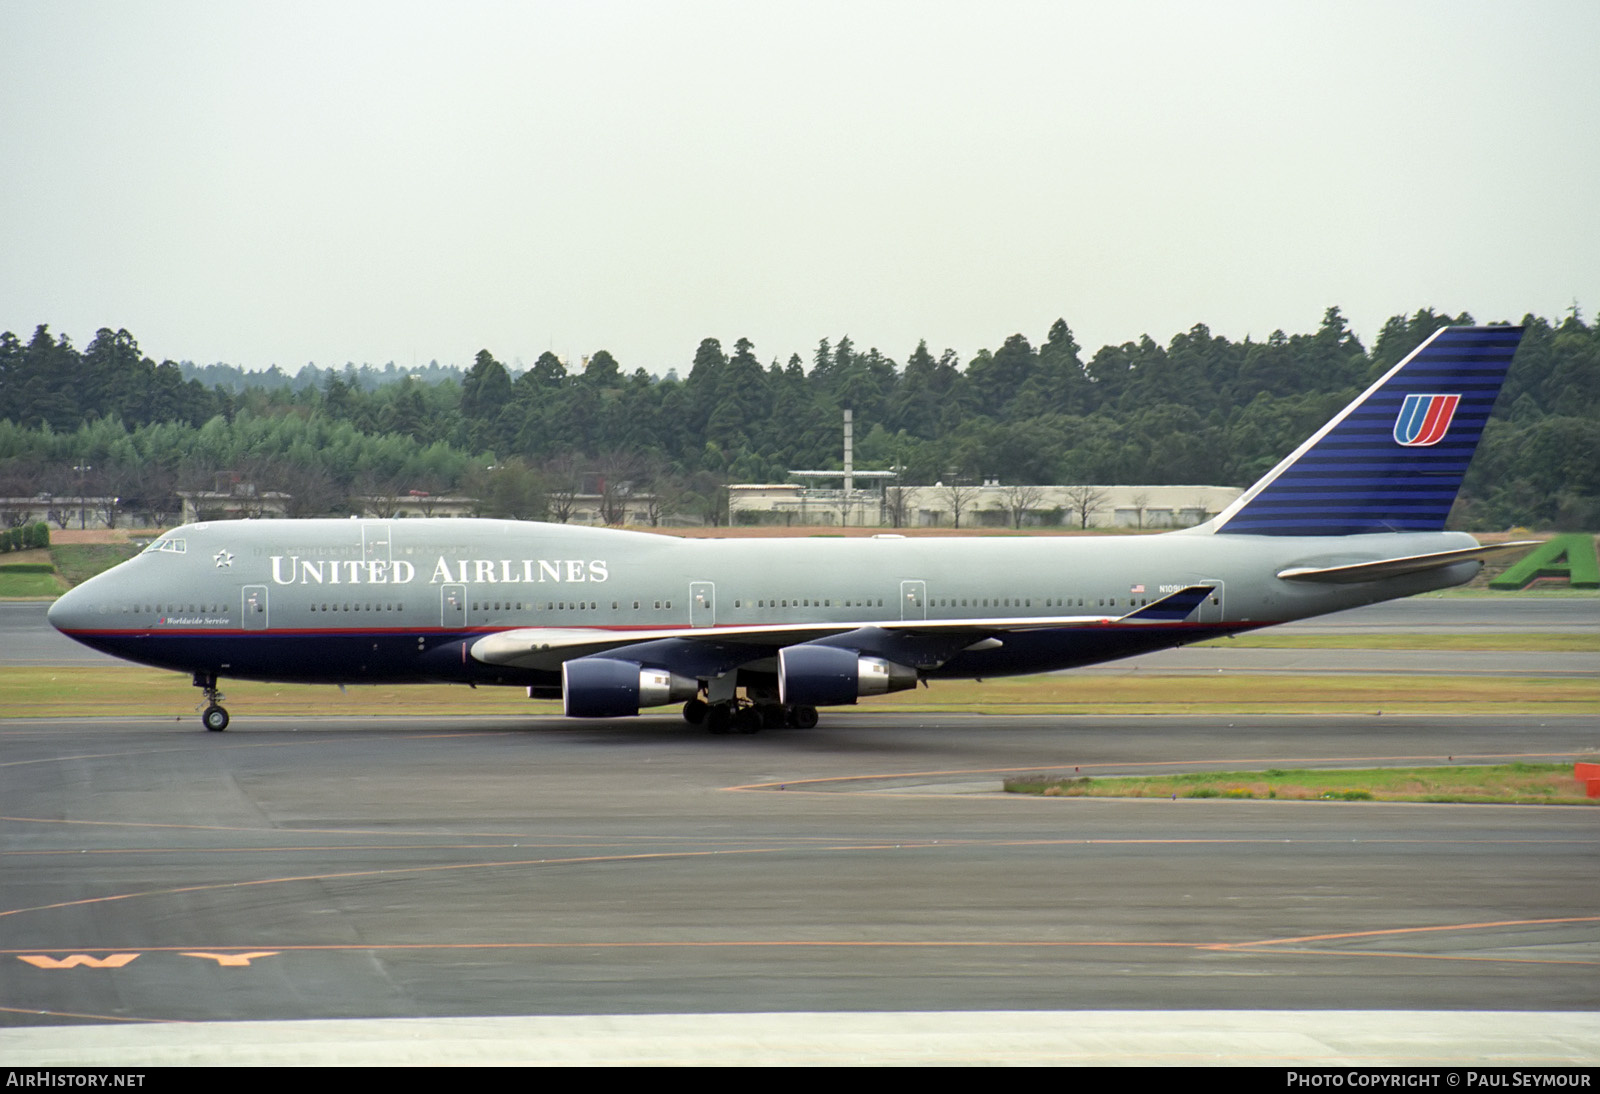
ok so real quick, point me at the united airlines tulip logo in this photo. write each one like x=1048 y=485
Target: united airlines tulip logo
x=1424 y=419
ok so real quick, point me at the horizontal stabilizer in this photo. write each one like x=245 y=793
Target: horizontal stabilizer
x=1396 y=567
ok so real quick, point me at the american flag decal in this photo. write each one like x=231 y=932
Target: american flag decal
x=1423 y=419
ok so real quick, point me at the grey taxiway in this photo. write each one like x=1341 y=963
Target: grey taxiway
x=471 y=888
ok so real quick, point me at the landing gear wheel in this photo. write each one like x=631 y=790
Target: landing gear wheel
x=719 y=719
x=213 y=717
x=694 y=712
x=747 y=720
x=803 y=717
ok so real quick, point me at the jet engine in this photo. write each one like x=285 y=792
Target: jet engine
x=600 y=687
x=820 y=676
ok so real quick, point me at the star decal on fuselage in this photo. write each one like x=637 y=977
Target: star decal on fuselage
x=224 y=559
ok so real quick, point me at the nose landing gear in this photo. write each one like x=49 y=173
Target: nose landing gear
x=214 y=717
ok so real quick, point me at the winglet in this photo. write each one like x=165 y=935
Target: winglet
x=1173 y=608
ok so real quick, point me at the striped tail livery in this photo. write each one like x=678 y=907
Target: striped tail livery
x=1393 y=460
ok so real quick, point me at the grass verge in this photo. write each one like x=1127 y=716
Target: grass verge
x=78 y=562
x=1498 y=784
x=128 y=690
x=1507 y=642
x=30 y=585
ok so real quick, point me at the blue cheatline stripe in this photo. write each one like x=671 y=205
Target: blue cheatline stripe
x=1358 y=477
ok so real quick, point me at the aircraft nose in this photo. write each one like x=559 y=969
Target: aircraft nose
x=65 y=612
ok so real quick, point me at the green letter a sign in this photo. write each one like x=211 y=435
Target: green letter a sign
x=1568 y=558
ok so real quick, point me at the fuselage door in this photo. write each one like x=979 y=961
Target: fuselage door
x=702 y=604
x=375 y=541
x=913 y=600
x=1211 y=608
x=253 y=608
x=452 y=607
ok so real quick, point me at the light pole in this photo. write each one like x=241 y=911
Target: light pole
x=83 y=504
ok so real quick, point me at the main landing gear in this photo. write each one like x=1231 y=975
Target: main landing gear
x=213 y=716
x=747 y=717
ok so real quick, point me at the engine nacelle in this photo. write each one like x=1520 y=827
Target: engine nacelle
x=825 y=676
x=599 y=687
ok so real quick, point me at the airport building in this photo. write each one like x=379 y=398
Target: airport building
x=989 y=505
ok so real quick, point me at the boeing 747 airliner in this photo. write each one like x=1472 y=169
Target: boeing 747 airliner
x=753 y=633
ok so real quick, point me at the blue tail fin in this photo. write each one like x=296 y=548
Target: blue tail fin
x=1393 y=460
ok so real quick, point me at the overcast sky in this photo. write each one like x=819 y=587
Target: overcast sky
x=263 y=183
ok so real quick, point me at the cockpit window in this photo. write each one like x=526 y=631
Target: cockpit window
x=168 y=545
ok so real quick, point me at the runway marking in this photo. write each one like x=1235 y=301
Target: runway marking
x=412 y=870
x=334 y=847
x=1428 y=956
x=784 y=784
x=235 y=960
x=735 y=944
x=524 y=838
x=278 y=831
x=1342 y=936
x=113 y=961
x=36 y=1012
x=924 y=844
x=232 y=746
x=807 y=843
x=1251 y=947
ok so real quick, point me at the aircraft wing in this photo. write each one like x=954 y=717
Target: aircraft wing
x=713 y=650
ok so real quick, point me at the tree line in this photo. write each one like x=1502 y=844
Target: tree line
x=1200 y=408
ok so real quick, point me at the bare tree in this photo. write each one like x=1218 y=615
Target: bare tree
x=19 y=485
x=151 y=493
x=108 y=486
x=62 y=493
x=663 y=496
x=425 y=496
x=1021 y=500
x=246 y=487
x=708 y=498
x=1085 y=502
x=900 y=503
x=958 y=496
x=311 y=490
x=381 y=495
x=1141 y=502
x=617 y=471
x=563 y=483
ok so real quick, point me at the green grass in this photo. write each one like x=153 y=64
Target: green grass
x=1550 y=591
x=1151 y=693
x=1526 y=643
x=78 y=562
x=1507 y=784
x=131 y=690
x=30 y=585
